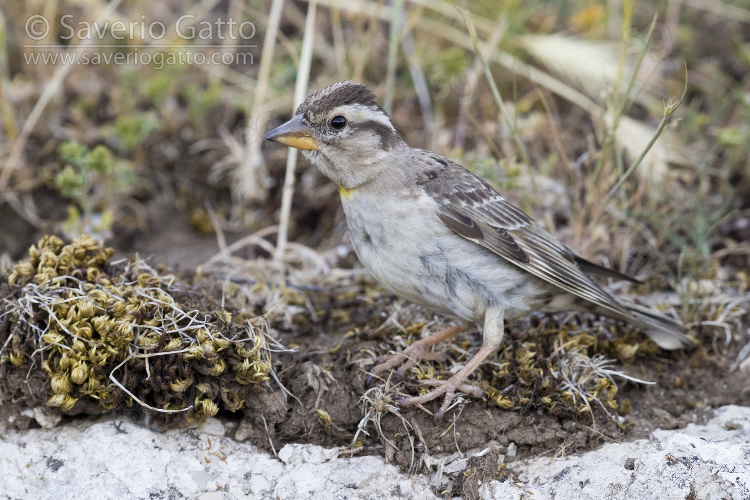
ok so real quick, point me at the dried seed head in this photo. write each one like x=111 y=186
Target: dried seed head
x=181 y=385
x=61 y=383
x=56 y=400
x=80 y=373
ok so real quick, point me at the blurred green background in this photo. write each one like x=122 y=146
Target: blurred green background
x=150 y=138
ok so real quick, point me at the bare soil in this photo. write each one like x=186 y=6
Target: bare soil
x=326 y=377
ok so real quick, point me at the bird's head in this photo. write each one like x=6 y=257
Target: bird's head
x=343 y=131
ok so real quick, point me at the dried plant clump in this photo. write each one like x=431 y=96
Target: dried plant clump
x=557 y=364
x=562 y=371
x=566 y=365
x=110 y=333
x=551 y=367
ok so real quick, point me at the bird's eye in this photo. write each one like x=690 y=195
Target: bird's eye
x=338 y=122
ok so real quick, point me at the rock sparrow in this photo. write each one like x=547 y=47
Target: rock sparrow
x=437 y=235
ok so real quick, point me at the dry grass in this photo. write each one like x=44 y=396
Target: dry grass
x=588 y=72
x=114 y=333
x=553 y=107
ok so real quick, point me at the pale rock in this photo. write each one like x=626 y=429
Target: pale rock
x=709 y=461
x=44 y=416
x=244 y=431
x=116 y=458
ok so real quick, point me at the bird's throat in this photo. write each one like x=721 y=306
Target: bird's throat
x=347 y=193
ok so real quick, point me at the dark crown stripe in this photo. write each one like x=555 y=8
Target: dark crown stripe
x=338 y=94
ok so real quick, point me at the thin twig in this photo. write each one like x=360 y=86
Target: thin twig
x=300 y=91
x=252 y=173
x=135 y=398
x=493 y=86
x=669 y=108
x=393 y=42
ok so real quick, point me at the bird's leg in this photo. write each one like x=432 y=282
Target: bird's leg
x=456 y=382
x=415 y=352
x=493 y=336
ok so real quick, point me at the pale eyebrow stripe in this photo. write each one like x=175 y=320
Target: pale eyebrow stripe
x=386 y=132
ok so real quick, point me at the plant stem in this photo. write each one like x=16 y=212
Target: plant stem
x=669 y=109
x=393 y=42
x=300 y=92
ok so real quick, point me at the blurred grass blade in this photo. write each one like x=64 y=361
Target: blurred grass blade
x=419 y=80
x=669 y=109
x=393 y=43
x=49 y=91
x=251 y=174
x=633 y=77
x=300 y=92
x=495 y=92
x=589 y=65
x=9 y=119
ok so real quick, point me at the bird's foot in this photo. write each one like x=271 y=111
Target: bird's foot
x=406 y=359
x=447 y=387
x=413 y=354
x=453 y=384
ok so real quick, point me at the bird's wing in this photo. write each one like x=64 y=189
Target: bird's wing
x=589 y=267
x=471 y=208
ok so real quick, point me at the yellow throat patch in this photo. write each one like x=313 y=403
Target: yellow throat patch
x=346 y=193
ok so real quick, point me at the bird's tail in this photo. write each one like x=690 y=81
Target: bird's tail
x=666 y=332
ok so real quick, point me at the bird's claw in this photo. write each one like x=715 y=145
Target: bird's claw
x=416 y=352
x=447 y=387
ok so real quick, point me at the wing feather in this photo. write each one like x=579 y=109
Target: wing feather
x=604 y=272
x=470 y=207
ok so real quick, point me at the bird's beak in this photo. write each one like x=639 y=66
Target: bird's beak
x=293 y=133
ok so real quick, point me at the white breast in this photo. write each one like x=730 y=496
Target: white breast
x=414 y=255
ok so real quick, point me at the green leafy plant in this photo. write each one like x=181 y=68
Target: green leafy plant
x=93 y=180
x=201 y=100
x=132 y=129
